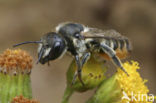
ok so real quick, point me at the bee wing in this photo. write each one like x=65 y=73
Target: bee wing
x=98 y=33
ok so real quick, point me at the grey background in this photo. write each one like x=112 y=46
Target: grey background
x=22 y=20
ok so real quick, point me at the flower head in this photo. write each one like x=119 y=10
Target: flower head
x=121 y=88
x=133 y=84
x=21 y=99
x=15 y=61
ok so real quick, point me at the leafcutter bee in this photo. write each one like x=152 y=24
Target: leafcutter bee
x=82 y=41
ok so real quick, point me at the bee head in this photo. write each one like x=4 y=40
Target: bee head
x=51 y=46
x=70 y=30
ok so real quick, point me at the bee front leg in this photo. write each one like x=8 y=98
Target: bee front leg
x=112 y=54
x=78 y=72
x=85 y=58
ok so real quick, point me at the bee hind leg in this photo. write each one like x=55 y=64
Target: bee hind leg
x=111 y=53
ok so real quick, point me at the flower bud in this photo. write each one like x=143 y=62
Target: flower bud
x=15 y=70
x=92 y=75
x=21 y=99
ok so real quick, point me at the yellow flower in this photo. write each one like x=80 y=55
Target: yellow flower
x=133 y=85
x=121 y=88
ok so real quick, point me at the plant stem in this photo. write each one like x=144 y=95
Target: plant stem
x=68 y=92
x=11 y=86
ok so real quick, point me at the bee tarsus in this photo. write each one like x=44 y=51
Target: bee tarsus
x=85 y=58
x=79 y=69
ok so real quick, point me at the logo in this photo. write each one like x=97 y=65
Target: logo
x=138 y=97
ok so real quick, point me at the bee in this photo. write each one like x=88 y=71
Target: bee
x=82 y=42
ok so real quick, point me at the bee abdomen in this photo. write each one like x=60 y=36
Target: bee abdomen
x=128 y=45
x=115 y=44
x=122 y=47
x=119 y=44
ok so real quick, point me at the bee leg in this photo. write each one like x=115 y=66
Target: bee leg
x=111 y=53
x=78 y=72
x=85 y=58
x=48 y=63
x=74 y=78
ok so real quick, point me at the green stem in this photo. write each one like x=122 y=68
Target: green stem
x=1 y=81
x=5 y=89
x=67 y=94
x=11 y=86
x=20 y=84
x=13 y=89
x=27 y=87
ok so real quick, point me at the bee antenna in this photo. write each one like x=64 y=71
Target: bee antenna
x=27 y=42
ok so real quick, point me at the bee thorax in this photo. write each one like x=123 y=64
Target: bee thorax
x=80 y=46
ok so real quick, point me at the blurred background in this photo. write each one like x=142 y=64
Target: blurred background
x=22 y=20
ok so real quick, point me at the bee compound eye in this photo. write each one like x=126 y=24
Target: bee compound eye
x=77 y=35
